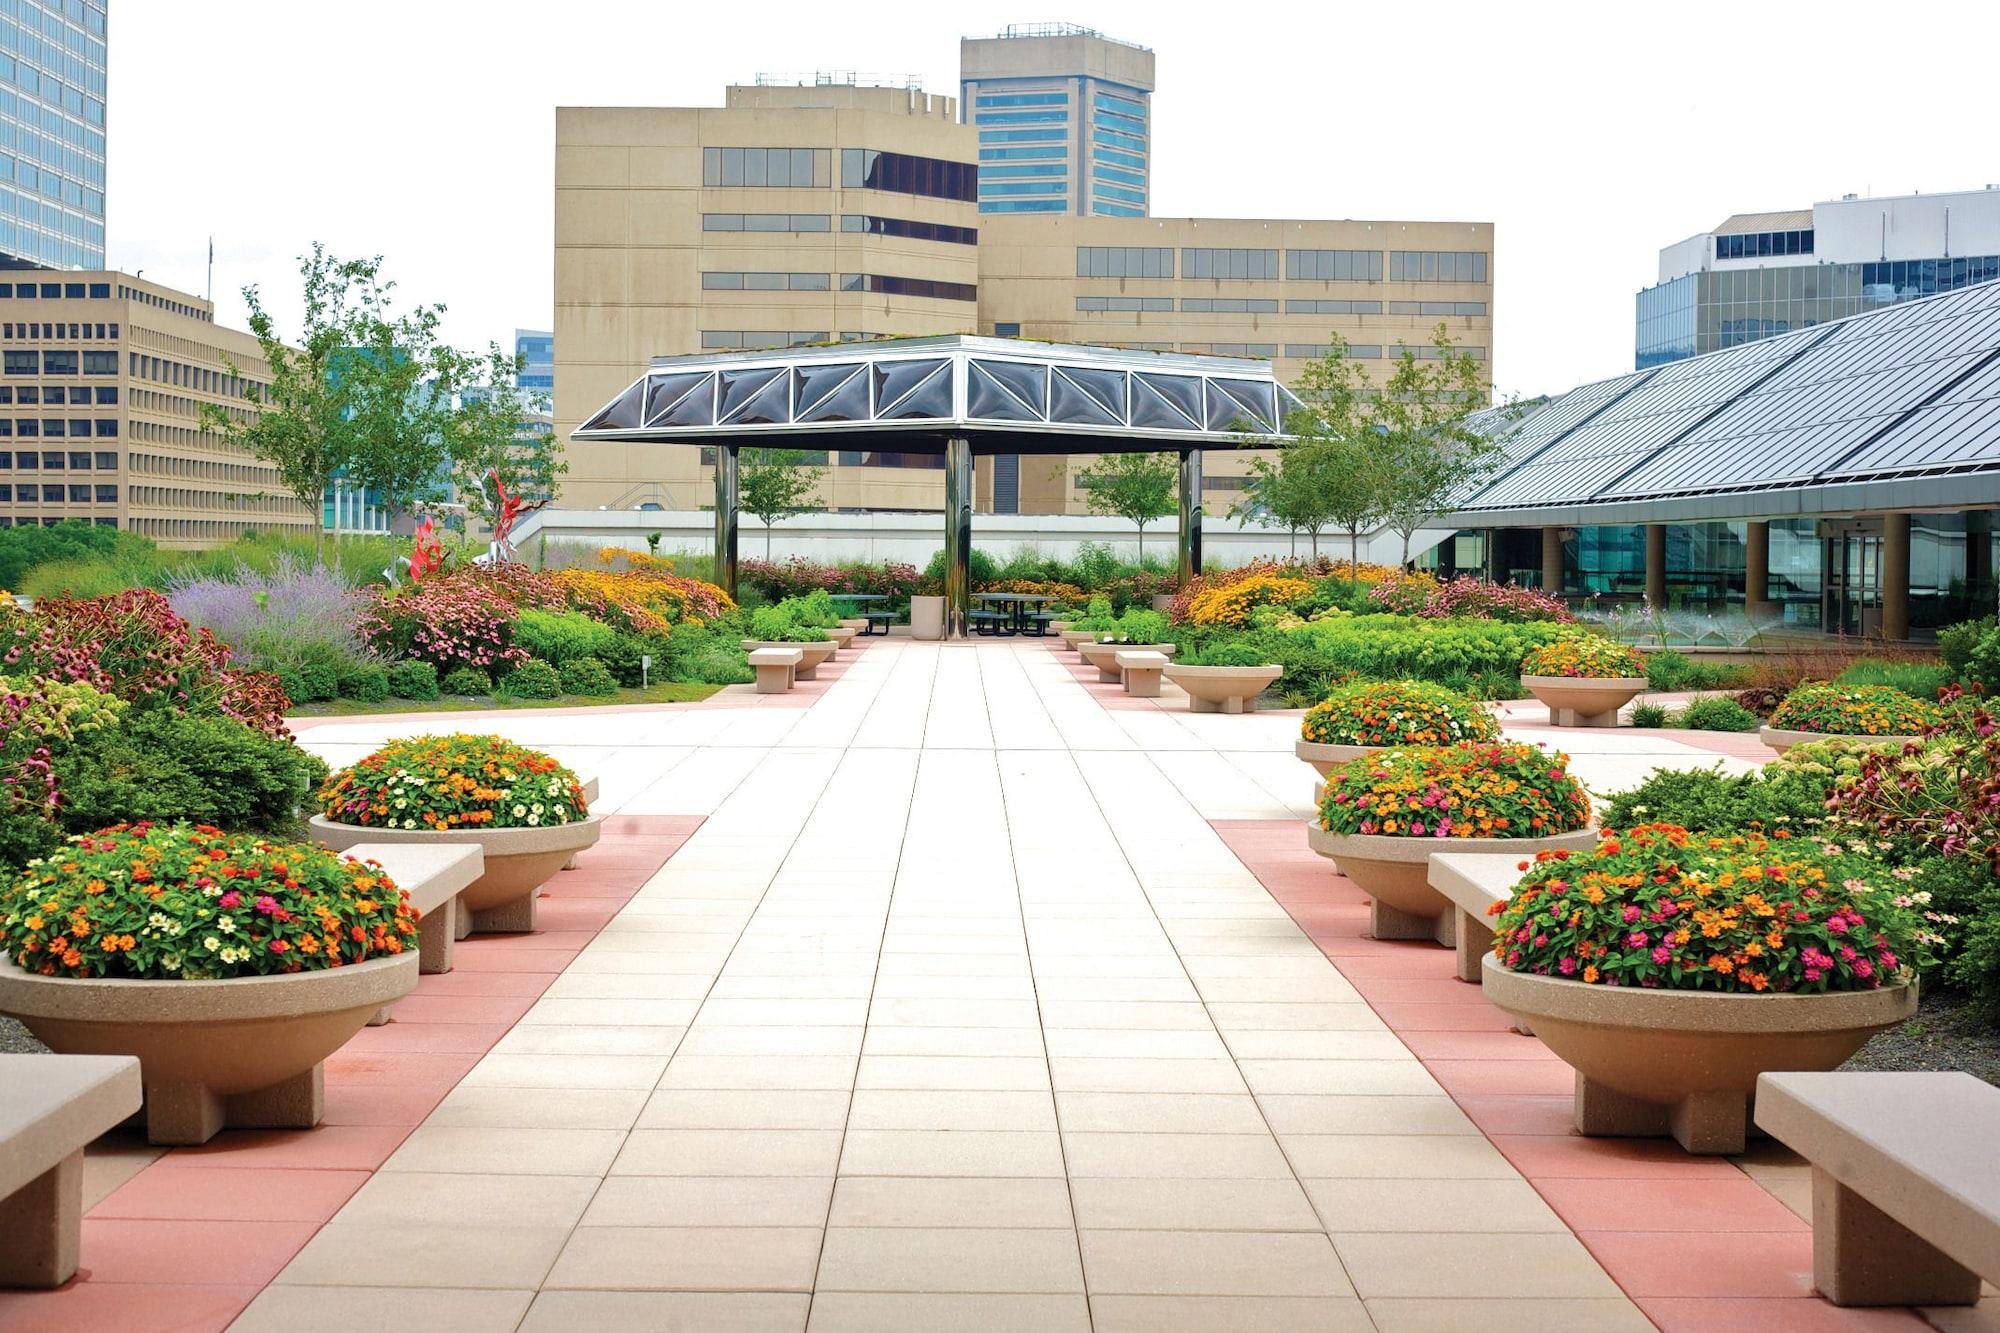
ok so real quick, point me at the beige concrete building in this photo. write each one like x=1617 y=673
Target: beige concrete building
x=792 y=214
x=101 y=392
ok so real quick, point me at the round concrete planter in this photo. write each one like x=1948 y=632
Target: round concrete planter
x=1325 y=758
x=1223 y=689
x=1104 y=656
x=243 y=1053
x=815 y=652
x=518 y=862
x=1584 y=701
x=1651 y=1062
x=1781 y=740
x=1395 y=874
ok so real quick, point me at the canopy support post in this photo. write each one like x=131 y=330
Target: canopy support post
x=1190 y=539
x=957 y=535
x=725 y=518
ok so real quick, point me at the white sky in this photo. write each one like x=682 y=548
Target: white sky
x=1590 y=134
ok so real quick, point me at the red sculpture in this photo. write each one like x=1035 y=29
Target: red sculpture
x=507 y=510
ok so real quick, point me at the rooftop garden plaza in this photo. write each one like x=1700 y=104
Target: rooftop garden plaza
x=1303 y=945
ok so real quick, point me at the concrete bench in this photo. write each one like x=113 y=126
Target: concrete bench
x=433 y=874
x=51 y=1106
x=777 y=668
x=1472 y=882
x=1905 y=1181
x=1140 y=672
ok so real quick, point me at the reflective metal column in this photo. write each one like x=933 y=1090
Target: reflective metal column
x=725 y=518
x=957 y=534
x=1190 y=514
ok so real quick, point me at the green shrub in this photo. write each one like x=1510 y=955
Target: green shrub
x=1097 y=616
x=1482 y=657
x=1137 y=626
x=1919 y=680
x=625 y=657
x=533 y=679
x=1956 y=642
x=1964 y=887
x=706 y=656
x=781 y=624
x=1982 y=661
x=320 y=682
x=469 y=681
x=413 y=680
x=1648 y=715
x=365 y=681
x=818 y=610
x=1669 y=669
x=1710 y=801
x=292 y=684
x=163 y=766
x=587 y=676
x=1716 y=714
x=1227 y=654
x=562 y=636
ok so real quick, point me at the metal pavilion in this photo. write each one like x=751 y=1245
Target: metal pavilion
x=955 y=396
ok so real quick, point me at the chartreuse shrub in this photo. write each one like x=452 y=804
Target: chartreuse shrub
x=533 y=679
x=413 y=680
x=457 y=781
x=190 y=901
x=587 y=676
x=562 y=636
x=1097 y=616
x=1477 y=789
x=1782 y=800
x=1225 y=653
x=1318 y=655
x=1659 y=906
x=467 y=681
x=781 y=623
x=1397 y=712
x=1860 y=710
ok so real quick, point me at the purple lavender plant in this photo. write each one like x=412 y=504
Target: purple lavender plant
x=292 y=616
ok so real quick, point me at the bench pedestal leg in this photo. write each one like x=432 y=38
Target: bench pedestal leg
x=517 y=917
x=1863 y=1256
x=1474 y=942
x=436 y=933
x=1142 y=684
x=297 y=1103
x=42 y=1222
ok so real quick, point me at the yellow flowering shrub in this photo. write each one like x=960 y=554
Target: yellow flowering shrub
x=1232 y=604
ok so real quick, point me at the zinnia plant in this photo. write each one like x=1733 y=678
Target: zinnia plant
x=1854 y=710
x=1476 y=789
x=1397 y=712
x=458 y=781
x=1585 y=655
x=186 y=900
x=1661 y=907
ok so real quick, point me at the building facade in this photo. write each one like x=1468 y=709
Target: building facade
x=103 y=378
x=790 y=215
x=1761 y=274
x=1065 y=120
x=52 y=127
x=536 y=350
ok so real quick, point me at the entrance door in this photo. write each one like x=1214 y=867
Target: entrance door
x=1853 y=587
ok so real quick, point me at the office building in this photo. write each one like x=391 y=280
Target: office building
x=1065 y=120
x=795 y=213
x=103 y=377
x=1761 y=274
x=536 y=350
x=52 y=123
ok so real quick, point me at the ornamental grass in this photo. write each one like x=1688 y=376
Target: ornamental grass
x=1587 y=656
x=1397 y=712
x=1854 y=710
x=1476 y=789
x=1658 y=906
x=457 y=781
x=167 y=901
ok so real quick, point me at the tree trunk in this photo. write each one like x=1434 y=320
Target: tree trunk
x=1142 y=545
x=767 y=541
x=1354 y=553
x=1406 y=548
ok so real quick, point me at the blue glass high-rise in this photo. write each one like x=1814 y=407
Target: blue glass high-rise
x=52 y=126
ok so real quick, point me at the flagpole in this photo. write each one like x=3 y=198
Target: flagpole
x=211 y=270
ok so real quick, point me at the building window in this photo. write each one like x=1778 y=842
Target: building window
x=1761 y=244
x=791 y=168
x=1022 y=154
x=1228 y=305
x=107 y=462
x=1022 y=99
x=107 y=428
x=100 y=363
x=765 y=282
x=1437 y=266
x=107 y=495
x=903 y=173
x=892 y=286
x=1219 y=263
x=1334 y=265
x=785 y=222
x=905 y=229
x=1265 y=350
x=1097 y=303
x=59 y=363
x=759 y=339
x=1006 y=330
x=1124 y=261
x=23 y=363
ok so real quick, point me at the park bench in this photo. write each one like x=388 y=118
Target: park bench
x=1472 y=882
x=1041 y=620
x=1905 y=1181
x=777 y=668
x=433 y=874
x=882 y=618
x=988 y=622
x=1139 y=670
x=51 y=1106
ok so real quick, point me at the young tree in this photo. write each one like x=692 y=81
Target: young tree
x=1330 y=471
x=1432 y=454
x=775 y=484
x=492 y=433
x=1294 y=486
x=1136 y=487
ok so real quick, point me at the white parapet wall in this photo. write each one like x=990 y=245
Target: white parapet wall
x=915 y=538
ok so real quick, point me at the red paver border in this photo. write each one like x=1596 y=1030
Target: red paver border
x=1695 y=1242
x=192 y=1239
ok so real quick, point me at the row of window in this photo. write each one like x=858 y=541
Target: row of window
x=1022 y=99
x=54 y=291
x=1334 y=265
x=908 y=230
x=1033 y=152
x=860 y=169
x=29 y=493
x=34 y=330
x=1123 y=105
x=1044 y=117
x=893 y=286
x=1253 y=305
x=59 y=363
x=1124 y=261
x=53 y=428
x=755 y=339
x=165 y=303
x=1157 y=261
x=766 y=282
x=904 y=173
x=778 y=222
x=199 y=378
x=1437 y=266
x=779 y=167
x=55 y=461
x=849 y=282
x=56 y=393
x=1758 y=244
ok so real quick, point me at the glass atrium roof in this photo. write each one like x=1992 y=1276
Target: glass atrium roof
x=1863 y=409
x=1009 y=395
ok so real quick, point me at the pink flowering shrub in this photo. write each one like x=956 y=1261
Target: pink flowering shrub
x=450 y=623
x=796 y=577
x=1468 y=596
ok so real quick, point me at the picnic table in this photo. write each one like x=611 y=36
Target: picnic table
x=863 y=611
x=1013 y=617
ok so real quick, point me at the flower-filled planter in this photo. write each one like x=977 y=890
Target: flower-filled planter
x=1583 y=679
x=1382 y=816
x=526 y=812
x=1365 y=716
x=1104 y=656
x=1877 y=714
x=229 y=965
x=1670 y=969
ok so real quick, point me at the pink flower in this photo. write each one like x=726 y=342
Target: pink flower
x=1567 y=965
x=1636 y=940
x=1662 y=954
x=229 y=899
x=1631 y=913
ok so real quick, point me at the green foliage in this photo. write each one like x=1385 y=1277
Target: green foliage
x=980 y=568
x=817 y=610
x=1982 y=661
x=23 y=548
x=413 y=680
x=1096 y=616
x=1919 y=680
x=775 y=484
x=468 y=681
x=588 y=676
x=1673 y=670
x=366 y=681
x=625 y=656
x=1481 y=657
x=1710 y=801
x=73 y=578
x=292 y=684
x=782 y=623
x=1716 y=713
x=493 y=434
x=1138 y=488
x=562 y=636
x=533 y=679
x=163 y=766
x=1137 y=626
x=1956 y=642
x=1648 y=715
x=319 y=683
x=705 y=656
x=1227 y=654
x=1965 y=888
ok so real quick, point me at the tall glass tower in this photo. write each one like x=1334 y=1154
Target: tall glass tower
x=52 y=91
x=1065 y=120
